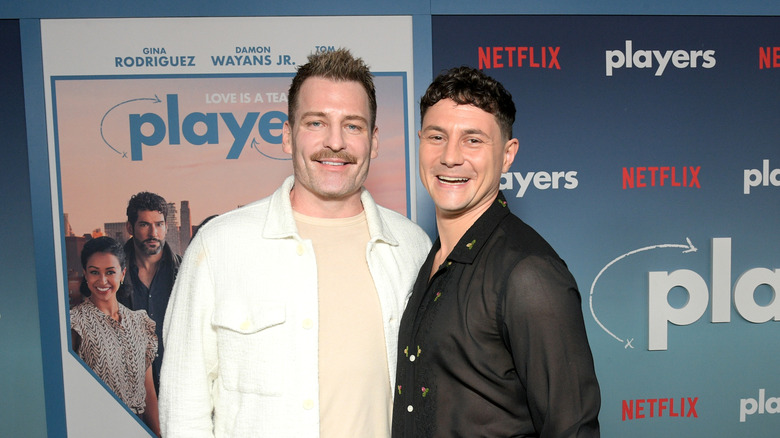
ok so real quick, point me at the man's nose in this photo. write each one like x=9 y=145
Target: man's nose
x=452 y=154
x=335 y=138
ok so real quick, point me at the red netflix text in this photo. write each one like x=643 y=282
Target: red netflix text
x=661 y=176
x=519 y=57
x=768 y=57
x=684 y=407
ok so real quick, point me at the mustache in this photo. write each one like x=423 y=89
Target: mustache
x=326 y=154
x=152 y=240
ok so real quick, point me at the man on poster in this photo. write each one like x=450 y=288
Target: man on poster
x=492 y=342
x=152 y=264
x=284 y=319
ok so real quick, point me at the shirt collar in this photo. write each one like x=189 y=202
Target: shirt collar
x=280 y=226
x=475 y=237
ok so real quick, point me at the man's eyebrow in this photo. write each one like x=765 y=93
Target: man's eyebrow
x=433 y=128
x=476 y=131
x=313 y=114
x=469 y=131
x=324 y=114
x=356 y=117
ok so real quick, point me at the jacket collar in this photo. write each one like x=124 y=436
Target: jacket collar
x=281 y=223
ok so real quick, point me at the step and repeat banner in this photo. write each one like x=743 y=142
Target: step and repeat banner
x=650 y=159
x=191 y=109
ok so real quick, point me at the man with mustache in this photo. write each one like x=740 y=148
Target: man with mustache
x=284 y=319
x=151 y=264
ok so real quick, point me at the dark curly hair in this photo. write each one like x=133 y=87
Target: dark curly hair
x=104 y=244
x=145 y=201
x=469 y=86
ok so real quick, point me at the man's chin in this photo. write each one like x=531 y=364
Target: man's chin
x=150 y=250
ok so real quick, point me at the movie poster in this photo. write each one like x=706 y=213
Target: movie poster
x=191 y=109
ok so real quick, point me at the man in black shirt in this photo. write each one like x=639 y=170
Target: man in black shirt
x=151 y=264
x=492 y=342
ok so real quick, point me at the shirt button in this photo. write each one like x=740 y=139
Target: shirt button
x=246 y=324
x=308 y=404
x=300 y=249
x=308 y=323
x=409 y=408
x=412 y=358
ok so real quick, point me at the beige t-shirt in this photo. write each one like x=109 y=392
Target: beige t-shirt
x=355 y=395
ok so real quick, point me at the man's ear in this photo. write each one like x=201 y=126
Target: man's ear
x=510 y=151
x=375 y=143
x=287 y=137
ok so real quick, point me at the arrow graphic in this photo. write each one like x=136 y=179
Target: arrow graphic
x=255 y=146
x=688 y=247
x=155 y=99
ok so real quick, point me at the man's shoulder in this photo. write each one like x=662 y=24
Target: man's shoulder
x=236 y=225
x=514 y=234
x=252 y=212
x=394 y=217
x=129 y=249
x=398 y=223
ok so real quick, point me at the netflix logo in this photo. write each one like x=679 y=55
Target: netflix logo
x=518 y=57
x=683 y=407
x=661 y=176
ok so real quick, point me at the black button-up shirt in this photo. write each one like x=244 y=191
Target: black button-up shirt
x=153 y=299
x=494 y=344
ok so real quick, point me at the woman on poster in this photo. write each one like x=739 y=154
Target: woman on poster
x=117 y=343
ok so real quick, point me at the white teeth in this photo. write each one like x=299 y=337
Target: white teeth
x=453 y=180
x=333 y=163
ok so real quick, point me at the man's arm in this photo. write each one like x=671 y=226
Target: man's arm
x=190 y=362
x=544 y=327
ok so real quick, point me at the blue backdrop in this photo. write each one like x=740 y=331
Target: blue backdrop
x=720 y=120
x=651 y=163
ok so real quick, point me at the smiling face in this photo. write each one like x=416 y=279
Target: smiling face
x=103 y=275
x=462 y=157
x=332 y=143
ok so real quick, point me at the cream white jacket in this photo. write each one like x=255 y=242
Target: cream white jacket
x=241 y=326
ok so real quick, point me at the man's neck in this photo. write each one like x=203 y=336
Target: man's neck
x=148 y=262
x=451 y=228
x=309 y=205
